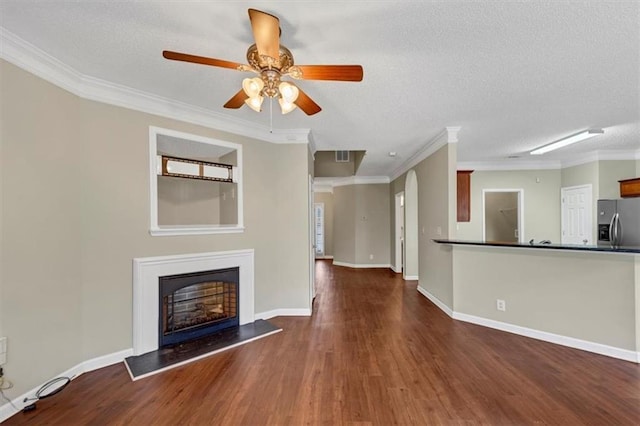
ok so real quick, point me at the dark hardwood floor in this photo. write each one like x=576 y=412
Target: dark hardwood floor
x=374 y=352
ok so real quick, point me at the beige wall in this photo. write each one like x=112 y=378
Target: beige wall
x=610 y=172
x=638 y=168
x=361 y=224
x=541 y=202
x=344 y=224
x=229 y=194
x=436 y=209
x=76 y=212
x=372 y=224
x=325 y=165
x=326 y=198
x=582 y=174
x=41 y=306
x=587 y=296
x=188 y=201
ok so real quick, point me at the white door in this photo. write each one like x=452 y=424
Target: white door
x=577 y=213
x=319 y=230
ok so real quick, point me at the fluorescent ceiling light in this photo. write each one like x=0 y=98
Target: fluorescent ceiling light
x=567 y=141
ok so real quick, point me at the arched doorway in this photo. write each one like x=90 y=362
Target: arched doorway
x=410 y=271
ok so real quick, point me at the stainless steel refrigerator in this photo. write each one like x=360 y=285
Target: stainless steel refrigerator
x=619 y=222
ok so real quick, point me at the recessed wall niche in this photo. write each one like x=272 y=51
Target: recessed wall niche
x=195 y=184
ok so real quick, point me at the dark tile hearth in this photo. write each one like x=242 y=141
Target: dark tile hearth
x=153 y=362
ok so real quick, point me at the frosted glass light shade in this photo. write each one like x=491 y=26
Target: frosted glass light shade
x=288 y=92
x=286 y=107
x=255 y=103
x=252 y=86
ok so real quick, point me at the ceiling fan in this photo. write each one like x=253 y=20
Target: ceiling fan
x=272 y=61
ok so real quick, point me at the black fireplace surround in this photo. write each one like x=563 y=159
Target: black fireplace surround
x=197 y=304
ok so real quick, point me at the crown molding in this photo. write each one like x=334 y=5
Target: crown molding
x=589 y=157
x=322 y=187
x=323 y=183
x=602 y=155
x=446 y=136
x=35 y=61
x=505 y=165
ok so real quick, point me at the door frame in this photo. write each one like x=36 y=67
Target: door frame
x=520 y=191
x=411 y=253
x=398 y=266
x=312 y=246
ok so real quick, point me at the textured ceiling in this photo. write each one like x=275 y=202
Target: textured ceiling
x=513 y=75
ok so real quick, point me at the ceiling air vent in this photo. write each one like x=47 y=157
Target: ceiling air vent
x=342 y=156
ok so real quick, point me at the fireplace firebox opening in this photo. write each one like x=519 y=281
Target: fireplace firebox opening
x=197 y=304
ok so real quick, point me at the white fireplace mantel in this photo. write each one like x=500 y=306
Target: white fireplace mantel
x=148 y=270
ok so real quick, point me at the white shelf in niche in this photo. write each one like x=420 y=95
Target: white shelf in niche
x=185 y=145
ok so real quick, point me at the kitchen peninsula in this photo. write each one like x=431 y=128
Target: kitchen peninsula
x=531 y=245
x=583 y=296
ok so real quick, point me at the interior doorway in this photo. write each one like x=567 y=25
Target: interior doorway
x=411 y=264
x=399 y=233
x=502 y=219
x=318 y=209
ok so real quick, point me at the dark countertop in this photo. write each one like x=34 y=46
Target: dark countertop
x=575 y=247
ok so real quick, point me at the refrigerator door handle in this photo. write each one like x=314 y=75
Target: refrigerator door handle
x=612 y=236
x=618 y=230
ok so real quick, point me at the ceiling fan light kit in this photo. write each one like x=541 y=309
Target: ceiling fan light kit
x=567 y=141
x=272 y=61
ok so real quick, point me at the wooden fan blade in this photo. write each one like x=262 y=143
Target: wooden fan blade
x=306 y=104
x=237 y=100
x=177 y=56
x=266 y=32
x=331 y=72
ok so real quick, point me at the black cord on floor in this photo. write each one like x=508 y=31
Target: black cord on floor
x=40 y=393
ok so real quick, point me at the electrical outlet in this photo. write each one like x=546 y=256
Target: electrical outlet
x=370 y=257
x=501 y=305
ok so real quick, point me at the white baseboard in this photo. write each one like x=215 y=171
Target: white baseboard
x=410 y=278
x=302 y=312
x=324 y=257
x=571 y=342
x=7 y=410
x=558 y=339
x=444 y=308
x=362 y=265
x=396 y=270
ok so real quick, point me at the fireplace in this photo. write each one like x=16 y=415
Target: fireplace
x=147 y=272
x=197 y=304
